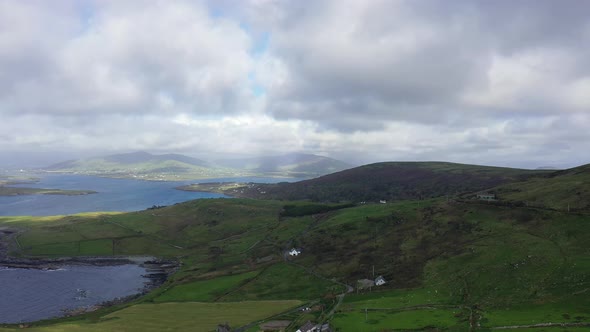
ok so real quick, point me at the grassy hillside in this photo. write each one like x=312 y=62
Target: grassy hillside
x=449 y=265
x=293 y=164
x=392 y=181
x=148 y=166
x=557 y=190
x=143 y=165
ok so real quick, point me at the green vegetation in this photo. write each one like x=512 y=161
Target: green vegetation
x=205 y=290
x=305 y=209
x=146 y=166
x=14 y=191
x=391 y=181
x=189 y=316
x=453 y=265
x=561 y=190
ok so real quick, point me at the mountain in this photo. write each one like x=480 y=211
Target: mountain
x=293 y=164
x=144 y=165
x=393 y=181
x=129 y=159
x=561 y=190
x=176 y=166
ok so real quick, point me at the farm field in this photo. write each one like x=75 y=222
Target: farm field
x=189 y=316
x=449 y=265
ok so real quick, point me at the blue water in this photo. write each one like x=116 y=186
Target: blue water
x=31 y=294
x=113 y=195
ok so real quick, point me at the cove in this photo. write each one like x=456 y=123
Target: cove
x=33 y=294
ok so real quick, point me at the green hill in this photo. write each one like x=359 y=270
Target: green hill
x=449 y=265
x=143 y=165
x=392 y=181
x=293 y=164
x=561 y=190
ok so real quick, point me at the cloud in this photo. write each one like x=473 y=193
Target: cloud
x=496 y=82
x=351 y=65
x=124 y=58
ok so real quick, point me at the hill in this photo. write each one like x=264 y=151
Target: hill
x=143 y=165
x=561 y=190
x=391 y=181
x=454 y=266
x=293 y=164
x=148 y=166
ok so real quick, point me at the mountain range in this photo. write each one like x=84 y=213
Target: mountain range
x=149 y=166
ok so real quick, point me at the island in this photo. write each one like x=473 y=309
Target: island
x=16 y=191
x=7 y=188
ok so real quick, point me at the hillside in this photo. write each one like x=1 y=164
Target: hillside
x=448 y=265
x=391 y=181
x=143 y=165
x=294 y=164
x=560 y=190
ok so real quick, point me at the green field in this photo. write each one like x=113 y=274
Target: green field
x=189 y=316
x=449 y=265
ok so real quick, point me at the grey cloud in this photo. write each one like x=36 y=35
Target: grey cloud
x=124 y=58
x=393 y=60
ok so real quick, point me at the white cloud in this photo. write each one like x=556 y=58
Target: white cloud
x=504 y=83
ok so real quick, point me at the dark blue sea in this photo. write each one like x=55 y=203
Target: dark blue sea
x=113 y=195
x=31 y=294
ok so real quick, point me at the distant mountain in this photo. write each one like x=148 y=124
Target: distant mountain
x=292 y=164
x=144 y=165
x=551 y=168
x=393 y=181
x=559 y=190
x=148 y=166
x=129 y=159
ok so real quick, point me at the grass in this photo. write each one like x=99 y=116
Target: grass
x=509 y=265
x=284 y=281
x=188 y=316
x=204 y=290
x=398 y=320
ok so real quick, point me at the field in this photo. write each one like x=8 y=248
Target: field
x=190 y=316
x=449 y=265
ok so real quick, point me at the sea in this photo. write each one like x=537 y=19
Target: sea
x=112 y=194
x=31 y=294
x=34 y=294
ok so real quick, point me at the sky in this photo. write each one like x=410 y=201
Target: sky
x=498 y=82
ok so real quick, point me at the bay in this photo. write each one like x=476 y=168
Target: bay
x=33 y=294
x=112 y=194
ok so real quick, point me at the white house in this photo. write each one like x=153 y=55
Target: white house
x=383 y=201
x=294 y=252
x=380 y=281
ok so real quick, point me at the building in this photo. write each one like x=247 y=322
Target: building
x=312 y=327
x=486 y=197
x=383 y=201
x=308 y=327
x=380 y=281
x=294 y=252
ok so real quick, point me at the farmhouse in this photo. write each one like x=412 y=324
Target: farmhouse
x=380 y=281
x=486 y=197
x=311 y=327
x=294 y=252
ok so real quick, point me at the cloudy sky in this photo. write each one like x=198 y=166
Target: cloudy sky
x=498 y=82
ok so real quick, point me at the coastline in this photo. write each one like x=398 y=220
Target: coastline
x=20 y=191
